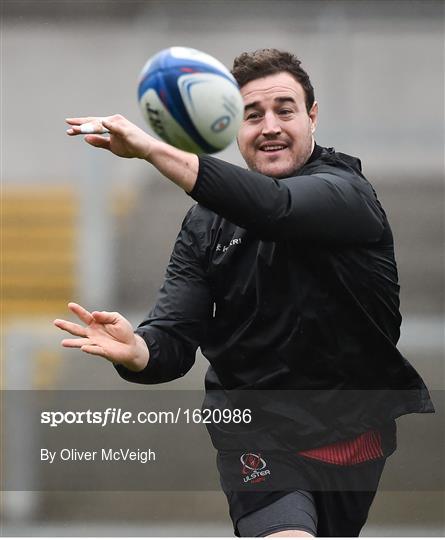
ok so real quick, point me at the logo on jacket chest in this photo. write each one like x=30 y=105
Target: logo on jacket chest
x=223 y=248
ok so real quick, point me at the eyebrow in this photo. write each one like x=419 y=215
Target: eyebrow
x=282 y=99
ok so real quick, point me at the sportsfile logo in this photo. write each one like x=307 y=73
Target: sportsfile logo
x=254 y=468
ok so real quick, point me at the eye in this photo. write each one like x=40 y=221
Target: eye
x=285 y=112
x=253 y=116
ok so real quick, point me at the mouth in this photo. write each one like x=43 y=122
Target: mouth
x=272 y=148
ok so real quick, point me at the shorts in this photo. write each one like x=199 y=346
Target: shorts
x=333 y=499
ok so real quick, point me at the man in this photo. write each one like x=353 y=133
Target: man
x=285 y=276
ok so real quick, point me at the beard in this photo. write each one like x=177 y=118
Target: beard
x=293 y=158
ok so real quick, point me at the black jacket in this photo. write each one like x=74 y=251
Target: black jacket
x=287 y=285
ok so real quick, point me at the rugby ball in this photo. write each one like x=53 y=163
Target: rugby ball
x=190 y=100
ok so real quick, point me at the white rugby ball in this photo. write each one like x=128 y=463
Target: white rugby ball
x=190 y=100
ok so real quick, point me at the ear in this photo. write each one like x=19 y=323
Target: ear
x=313 y=115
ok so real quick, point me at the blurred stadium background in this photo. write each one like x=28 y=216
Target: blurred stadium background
x=79 y=224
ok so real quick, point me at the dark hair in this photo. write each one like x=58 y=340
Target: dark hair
x=249 y=66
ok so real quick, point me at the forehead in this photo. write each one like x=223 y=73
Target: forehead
x=272 y=86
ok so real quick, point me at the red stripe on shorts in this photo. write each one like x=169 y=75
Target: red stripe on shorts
x=365 y=447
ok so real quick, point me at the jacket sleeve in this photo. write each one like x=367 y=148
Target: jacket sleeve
x=332 y=205
x=174 y=327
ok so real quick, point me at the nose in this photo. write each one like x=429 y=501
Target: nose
x=271 y=125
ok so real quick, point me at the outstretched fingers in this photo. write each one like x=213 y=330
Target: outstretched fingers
x=88 y=339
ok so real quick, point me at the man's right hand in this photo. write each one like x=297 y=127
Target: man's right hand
x=105 y=334
x=124 y=139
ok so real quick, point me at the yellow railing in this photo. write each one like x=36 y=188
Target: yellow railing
x=38 y=247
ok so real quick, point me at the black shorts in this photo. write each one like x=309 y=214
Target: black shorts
x=334 y=499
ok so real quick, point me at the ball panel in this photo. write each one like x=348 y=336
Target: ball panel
x=177 y=108
x=164 y=82
x=163 y=123
x=214 y=105
x=158 y=65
